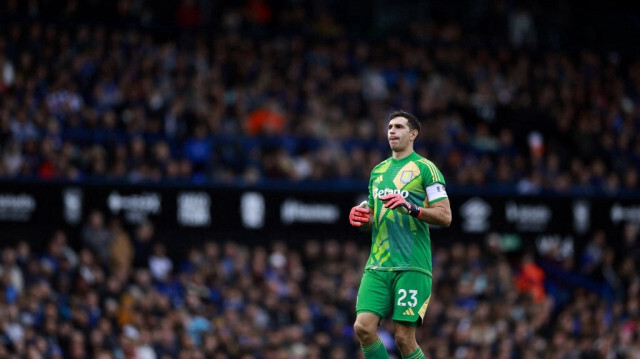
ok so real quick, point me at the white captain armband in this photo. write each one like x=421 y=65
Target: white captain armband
x=436 y=192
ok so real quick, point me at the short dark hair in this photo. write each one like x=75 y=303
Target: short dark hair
x=414 y=124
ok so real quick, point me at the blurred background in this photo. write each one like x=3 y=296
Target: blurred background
x=175 y=176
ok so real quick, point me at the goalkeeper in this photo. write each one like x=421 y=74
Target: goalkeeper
x=406 y=194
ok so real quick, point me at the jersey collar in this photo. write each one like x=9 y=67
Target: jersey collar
x=403 y=160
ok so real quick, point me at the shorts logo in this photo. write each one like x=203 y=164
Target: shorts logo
x=406 y=177
x=409 y=312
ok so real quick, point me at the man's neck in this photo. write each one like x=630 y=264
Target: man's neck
x=401 y=154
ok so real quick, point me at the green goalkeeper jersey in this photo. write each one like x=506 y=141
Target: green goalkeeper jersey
x=400 y=241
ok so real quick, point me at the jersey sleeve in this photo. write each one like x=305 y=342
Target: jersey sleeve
x=431 y=175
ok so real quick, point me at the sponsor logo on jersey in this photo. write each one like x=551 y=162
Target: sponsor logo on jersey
x=406 y=176
x=383 y=192
x=379 y=179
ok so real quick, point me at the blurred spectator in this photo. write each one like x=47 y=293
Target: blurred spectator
x=142 y=244
x=121 y=252
x=593 y=254
x=266 y=120
x=530 y=280
x=159 y=264
x=96 y=236
x=11 y=274
x=630 y=240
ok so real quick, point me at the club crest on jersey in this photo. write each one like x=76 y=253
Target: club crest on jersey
x=406 y=176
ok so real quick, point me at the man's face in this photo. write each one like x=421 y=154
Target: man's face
x=399 y=134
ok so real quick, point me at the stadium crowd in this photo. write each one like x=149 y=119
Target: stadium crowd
x=296 y=96
x=252 y=96
x=120 y=295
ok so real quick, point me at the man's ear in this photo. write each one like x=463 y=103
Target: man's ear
x=414 y=134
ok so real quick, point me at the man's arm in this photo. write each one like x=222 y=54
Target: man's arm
x=438 y=213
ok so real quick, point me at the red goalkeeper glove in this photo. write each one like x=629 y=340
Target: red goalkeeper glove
x=359 y=215
x=396 y=201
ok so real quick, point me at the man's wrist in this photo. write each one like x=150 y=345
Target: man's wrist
x=413 y=210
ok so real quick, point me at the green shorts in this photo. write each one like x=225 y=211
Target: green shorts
x=406 y=294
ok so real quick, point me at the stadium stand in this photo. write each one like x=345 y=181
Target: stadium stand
x=248 y=102
x=212 y=93
x=230 y=300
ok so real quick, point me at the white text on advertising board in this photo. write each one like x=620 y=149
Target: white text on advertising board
x=296 y=211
